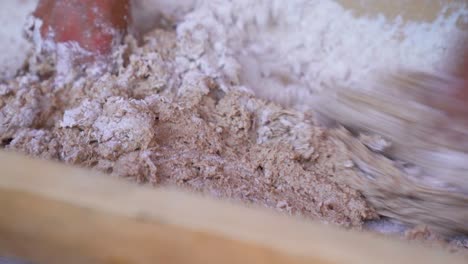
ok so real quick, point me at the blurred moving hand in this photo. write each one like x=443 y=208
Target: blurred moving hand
x=95 y=25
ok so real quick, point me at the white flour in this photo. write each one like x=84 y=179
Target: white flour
x=13 y=47
x=287 y=49
x=283 y=50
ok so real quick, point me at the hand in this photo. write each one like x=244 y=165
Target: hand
x=94 y=24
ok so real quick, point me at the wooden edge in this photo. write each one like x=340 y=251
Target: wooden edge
x=416 y=11
x=51 y=213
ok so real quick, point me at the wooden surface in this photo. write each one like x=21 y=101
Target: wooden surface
x=408 y=10
x=51 y=213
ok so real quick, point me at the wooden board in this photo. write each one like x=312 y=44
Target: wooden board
x=408 y=10
x=51 y=213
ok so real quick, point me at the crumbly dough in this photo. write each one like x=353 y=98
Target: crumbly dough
x=158 y=118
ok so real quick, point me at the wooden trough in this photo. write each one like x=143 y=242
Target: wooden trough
x=51 y=213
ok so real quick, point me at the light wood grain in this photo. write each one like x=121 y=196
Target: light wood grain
x=55 y=214
x=408 y=10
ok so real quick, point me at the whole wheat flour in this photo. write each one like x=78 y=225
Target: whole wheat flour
x=158 y=118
